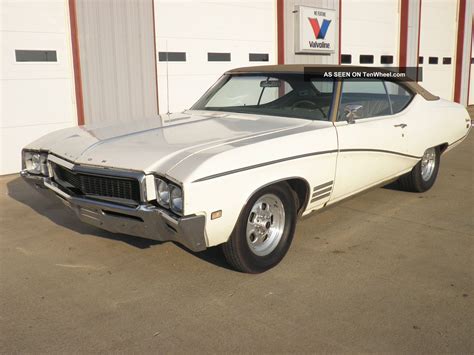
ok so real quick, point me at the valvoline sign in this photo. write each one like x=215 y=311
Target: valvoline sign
x=319 y=31
x=315 y=30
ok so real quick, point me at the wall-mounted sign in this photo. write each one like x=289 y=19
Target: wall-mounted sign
x=315 y=30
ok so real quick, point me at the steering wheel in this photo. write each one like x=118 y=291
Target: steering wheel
x=307 y=104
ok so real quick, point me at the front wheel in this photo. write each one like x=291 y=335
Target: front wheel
x=264 y=231
x=423 y=175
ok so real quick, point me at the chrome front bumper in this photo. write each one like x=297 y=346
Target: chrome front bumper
x=146 y=221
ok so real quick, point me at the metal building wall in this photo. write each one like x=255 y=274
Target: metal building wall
x=37 y=97
x=466 y=42
x=438 y=41
x=117 y=59
x=413 y=33
x=289 y=37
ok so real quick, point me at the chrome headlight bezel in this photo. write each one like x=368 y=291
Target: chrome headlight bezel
x=172 y=189
x=35 y=162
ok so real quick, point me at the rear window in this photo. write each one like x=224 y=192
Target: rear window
x=399 y=96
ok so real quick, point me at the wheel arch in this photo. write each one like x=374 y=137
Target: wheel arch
x=300 y=187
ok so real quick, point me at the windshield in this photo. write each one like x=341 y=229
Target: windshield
x=278 y=94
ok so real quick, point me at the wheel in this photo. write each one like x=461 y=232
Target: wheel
x=423 y=175
x=264 y=231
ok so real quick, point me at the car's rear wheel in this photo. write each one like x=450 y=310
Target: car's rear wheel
x=264 y=231
x=423 y=175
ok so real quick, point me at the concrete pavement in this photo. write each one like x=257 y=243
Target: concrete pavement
x=387 y=271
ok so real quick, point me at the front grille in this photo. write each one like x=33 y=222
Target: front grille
x=99 y=186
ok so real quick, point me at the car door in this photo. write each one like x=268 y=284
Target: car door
x=370 y=138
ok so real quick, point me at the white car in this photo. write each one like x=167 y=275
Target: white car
x=262 y=147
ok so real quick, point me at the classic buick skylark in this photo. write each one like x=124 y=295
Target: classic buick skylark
x=262 y=147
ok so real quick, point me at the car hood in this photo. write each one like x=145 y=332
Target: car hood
x=159 y=144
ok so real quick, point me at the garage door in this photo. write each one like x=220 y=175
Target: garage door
x=193 y=52
x=438 y=45
x=36 y=77
x=370 y=32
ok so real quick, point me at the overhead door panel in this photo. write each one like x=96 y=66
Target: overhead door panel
x=370 y=32
x=438 y=45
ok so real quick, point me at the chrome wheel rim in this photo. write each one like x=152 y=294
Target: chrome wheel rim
x=428 y=163
x=265 y=224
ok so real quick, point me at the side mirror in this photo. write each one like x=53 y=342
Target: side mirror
x=351 y=112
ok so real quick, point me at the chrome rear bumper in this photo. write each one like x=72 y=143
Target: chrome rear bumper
x=146 y=221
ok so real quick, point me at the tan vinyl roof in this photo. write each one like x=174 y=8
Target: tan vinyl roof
x=299 y=68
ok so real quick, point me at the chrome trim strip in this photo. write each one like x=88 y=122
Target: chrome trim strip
x=320 y=197
x=53 y=186
x=59 y=161
x=323 y=191
x=323 y=185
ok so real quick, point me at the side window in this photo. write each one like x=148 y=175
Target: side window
x=363 y=99
x=399 y=96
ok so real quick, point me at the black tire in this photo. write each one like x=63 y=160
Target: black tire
x=414 y=181
x=237 y=250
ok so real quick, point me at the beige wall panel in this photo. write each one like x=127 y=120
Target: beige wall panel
x=116 y=42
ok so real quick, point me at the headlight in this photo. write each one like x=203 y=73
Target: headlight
x=176 y=199
x=169 y=195
x=162 y=192
x=35 y=162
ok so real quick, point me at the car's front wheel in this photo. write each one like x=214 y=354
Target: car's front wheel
x=423 y=175
x=264 y=231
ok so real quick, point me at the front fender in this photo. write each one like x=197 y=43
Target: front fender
x=230 y=193
x=226 y=177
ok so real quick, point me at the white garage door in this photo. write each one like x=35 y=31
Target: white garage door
x=438 y=45
x=36 y=77
x=199 y=40
x=370 y=32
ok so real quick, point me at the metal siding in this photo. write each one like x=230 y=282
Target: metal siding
x=438 y=39
x=413 y=33
x=289 y=23
x=466 y=59
x=116 y=42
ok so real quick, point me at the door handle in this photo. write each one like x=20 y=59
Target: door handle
x=401 y=125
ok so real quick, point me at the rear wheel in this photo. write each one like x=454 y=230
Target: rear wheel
x=423 y=175
x=264 y=231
